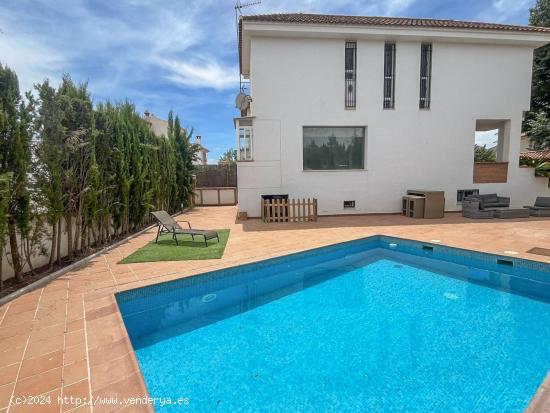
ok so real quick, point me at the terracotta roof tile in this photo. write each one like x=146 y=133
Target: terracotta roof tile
x=543 y=155
x=303 y=18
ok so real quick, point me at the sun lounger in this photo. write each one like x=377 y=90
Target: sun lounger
x=167 y=224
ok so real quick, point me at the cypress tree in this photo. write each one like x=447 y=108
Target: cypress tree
x=15 y=160
x=48 y=153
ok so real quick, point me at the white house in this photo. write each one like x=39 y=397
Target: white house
x=160 y=128
x=202 y=154
x=351 y=108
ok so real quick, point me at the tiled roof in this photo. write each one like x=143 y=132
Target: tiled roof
x=542 y=155
x=303 y=18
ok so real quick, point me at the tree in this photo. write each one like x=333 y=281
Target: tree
x=229 y=157
x=540 y=99
x=537 y=122
x=482 y=154
x=14 y=144
x=100 y=170
x=538 y=125
x=48 y=170
x=5 y=181
x=76 y=120
x=185 y=155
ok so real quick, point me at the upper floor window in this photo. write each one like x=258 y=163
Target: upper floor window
x=332 y=148
x=389 y=75
x=350 y=70
x=425 y=75
x=245 y=143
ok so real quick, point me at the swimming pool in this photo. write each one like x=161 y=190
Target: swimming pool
x=379 y=324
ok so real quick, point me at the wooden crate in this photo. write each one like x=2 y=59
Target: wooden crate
x=289 y=210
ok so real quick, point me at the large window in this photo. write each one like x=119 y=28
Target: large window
x=332 y=148
x=425 y=75
x=350 y=69
x=245 y=143
x=389 y=75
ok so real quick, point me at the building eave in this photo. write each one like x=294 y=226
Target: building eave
x=249 y=29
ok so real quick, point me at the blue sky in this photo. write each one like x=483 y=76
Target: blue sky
x=178 y=55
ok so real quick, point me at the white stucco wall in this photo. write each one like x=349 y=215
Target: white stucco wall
x=298 y=82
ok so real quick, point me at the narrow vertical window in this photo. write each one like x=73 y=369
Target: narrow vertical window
x=389 y=75
x=350 y=72
x=425 y=75
x=245 y=143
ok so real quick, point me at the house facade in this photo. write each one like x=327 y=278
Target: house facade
x=202 y=154
x=350 y=108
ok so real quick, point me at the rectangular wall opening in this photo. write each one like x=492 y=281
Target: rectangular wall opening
x=491 y=150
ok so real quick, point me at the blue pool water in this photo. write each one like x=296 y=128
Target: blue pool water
x=375 y=325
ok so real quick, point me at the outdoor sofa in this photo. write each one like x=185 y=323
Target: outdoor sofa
x=541 y=207
x=483 y=206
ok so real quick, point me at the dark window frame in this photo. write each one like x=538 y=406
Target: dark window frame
x=389 y=75
x=426 y=54
x=350 y=75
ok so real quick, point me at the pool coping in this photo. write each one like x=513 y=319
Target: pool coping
x=537 y=404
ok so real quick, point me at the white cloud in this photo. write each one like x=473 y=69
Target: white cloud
x=31 y=58
x=488 y=138
x=202 y=73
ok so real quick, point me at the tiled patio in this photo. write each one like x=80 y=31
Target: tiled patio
x=68 y=339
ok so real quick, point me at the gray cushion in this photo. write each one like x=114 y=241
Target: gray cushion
x=543 y=201
x=495 y=204
x=488 y=198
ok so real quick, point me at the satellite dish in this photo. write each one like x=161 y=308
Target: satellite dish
x=242 y=101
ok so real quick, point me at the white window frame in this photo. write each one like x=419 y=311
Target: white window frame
x=247 y=131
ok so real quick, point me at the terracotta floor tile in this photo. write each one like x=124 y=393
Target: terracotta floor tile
x=78 y=392
x=40 y=331
x=112 y=371
x=22 y=328
x=8 y=373
x=75 y=372
x=39 y=347
x=5 y=394
x=108 y=352
x=128 y=387
x=107 y=335
x=74 y=338
x=49 y=403
x=101 y=312
x=81 y=409
x=75 y=325
x=74 y=354
x=11 y=355
x=40 y=364
x=39 y=383
x=18 y=318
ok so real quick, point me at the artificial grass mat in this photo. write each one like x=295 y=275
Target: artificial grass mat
x=167 y=250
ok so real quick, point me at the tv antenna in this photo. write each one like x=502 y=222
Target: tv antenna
x=239 y=6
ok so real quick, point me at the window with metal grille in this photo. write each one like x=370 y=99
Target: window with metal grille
x=425 y=75
x=350 y=73
x=389 y=75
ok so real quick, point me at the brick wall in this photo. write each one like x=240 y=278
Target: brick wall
x=490 y=172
